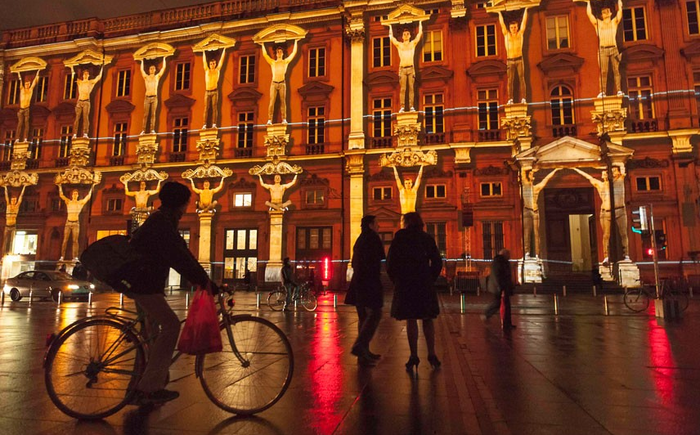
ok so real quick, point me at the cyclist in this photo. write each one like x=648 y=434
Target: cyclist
x=289 y=283
x=160 y=243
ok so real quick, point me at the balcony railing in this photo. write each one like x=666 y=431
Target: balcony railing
x=381 y=142
x=116 y=161
x=5 y=165
x=434 y=138
x=643 y=125
x=176 y=157
x=62 y=162
x=242 y=153
x=315 y=148
x=564 y=130
x=32 y=164
x=489 y=135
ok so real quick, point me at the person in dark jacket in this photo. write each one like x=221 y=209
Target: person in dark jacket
x=500 y=284
x=289 y=282
x=413 y=264
x=160 y=243
x=79 y=272
x=366 y=291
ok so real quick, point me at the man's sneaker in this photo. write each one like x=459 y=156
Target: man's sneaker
x=141 y=398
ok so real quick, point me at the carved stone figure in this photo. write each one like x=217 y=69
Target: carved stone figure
x=407 y=72
x=277 y=192
x=150 y=102
x=513 y=34
x=142 y=196
x=211 y=96
x=74 y=206
x=603 y=188
x=207 y=203
x=82 y=107
x=609 y=56
x=531 y=214
x=278 y=87
x=25 y=100
x=11 y=211
x=408 y=191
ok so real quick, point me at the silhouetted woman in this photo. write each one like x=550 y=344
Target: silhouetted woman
x=413 y=264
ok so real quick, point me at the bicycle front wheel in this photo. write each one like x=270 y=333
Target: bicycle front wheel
x=276 y=299
x=91 y=369
x=252 y=372
x=309 y=301
x=636 y=300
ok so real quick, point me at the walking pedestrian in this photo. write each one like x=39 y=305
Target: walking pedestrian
x=413 y=264
x=366 y=292
x=289 y=283
x=500 y=285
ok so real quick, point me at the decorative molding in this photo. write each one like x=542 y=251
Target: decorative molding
x=28 y=64
x=179 y=101
x=516 y=127
x=562 y=63
x=154 y=50
x=315 y=91
x=242 y=183
x=407 y=157
x=210 y=171
x=436 y=73
x=143 y=175
x=488 y=68
x=438 y=173
x=244 y=97
x=314 y=180
x=405 y=14
x=382 y=78
x=88 y=56
x=275 y=167
x=495 y=6
x=643 y=52
x=212 y=43
x=647 y=163
x=279 y=33
x=491 y=171
x=119 y=106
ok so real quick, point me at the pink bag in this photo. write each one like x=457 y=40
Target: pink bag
x=201 y=332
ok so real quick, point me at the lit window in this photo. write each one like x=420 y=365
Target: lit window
x=562 y=102
x=491 y=189
x=315 y=196
x=66 y=140
x=70 y=87
x=316 y=125
x=246 y=69
x=432 y=46
x=640 y=92
x=240 y=253
x=434 y=108
x=435 y=191
x=317 y=62
x=692 y=10
x=381 y=193
x=13 y=92
x=242 y=199
x=634 y=24
x=645 y=184
x=558 y=32
x=182 y=76
x=180 y=135
x=101 y=234
x=41 y=91
x=8 y=145
x=35 y=147
x=381 y=52
x=245 y=130
x=486 y=40
x=492 y=238
x=381 y=117
x=488 y=109
x=114 y=205
x=119 y=145
x=123 y=83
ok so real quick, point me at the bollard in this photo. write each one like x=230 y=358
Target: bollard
x=605 y=305
x=478 y=290
x=257 y=301
x=60 y=297
x=595 y=291
x=121 y=300
x=556 y=304
x=90 y=299
x=564 y=291
x=171 y=290
x=31 y=296
x=335 y=301
x=187 y=300
x=690 y=290
x=462 y=303
x=2 y=298
x=534 y=290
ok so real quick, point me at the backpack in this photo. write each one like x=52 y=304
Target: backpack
x=115 y=262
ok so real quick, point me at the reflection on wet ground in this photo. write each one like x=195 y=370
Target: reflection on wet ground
x=581 y=372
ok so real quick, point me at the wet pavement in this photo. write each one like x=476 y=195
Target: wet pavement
x=578 y=372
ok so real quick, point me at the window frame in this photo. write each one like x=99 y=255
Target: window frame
x=321 y=63
x=430 y=53
x=386 y=53
x=434 y=110
x=696 y=23
x=382 y=193
x=13 y=87
x=490 y=104
x=561 y=103
x=487 y=46
x=122 y=85
x=245 y=133
x=435 y=189
x=242 y=193
x=648 y=183
x=492 y=185
x=180 y=145
x=633 y=19
x=247 y=71
x=119 y=142
x=557 y=37
x=639 y=100
x=316 y=133
x=177 y=79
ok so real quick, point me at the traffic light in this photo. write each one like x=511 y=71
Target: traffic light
x=640 y=220
x=660 y=240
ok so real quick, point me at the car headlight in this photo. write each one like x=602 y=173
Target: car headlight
x=92 y=286
x=73 y=286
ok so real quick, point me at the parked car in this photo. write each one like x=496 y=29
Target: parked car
x=46 y=284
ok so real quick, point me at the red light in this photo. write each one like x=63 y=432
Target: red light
x=326 y=272
x=650 y=252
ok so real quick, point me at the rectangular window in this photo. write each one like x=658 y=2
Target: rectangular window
x=488 y=109
x=70 y=87
x=180 y=135
x=242 y=199
x=381 y=117
x=634 y=24
x=314 y=242
x=645 y=184
x=316 y=125
x=437 y=232
x=101 y=234
x=13 y=92
x=317 y=62
x=640 y=92
x=8 y=145
x=696 y=84
x=315 y=196
x=66 y=140
x=114 y=205
x=432 y=46
x=558 y=32
x=434 y=109
x=182 y=76
x=486 y=40
x=123 y=83
x=381 y=193
x=246 y=69
x=435 y=191
x=492 y=233
x=35 y=147
x=491 y=189
x=240 y=253
x=119 y=145
x=692 y=8
x=245 y=130
x=381 y=52
x=41 y=91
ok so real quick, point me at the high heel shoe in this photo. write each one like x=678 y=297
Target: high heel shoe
x=413 y=361
x=434 y=361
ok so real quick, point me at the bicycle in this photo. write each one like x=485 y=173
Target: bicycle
x=277 y=298
x=637 y=299
x=676 y=289
x=92 y=366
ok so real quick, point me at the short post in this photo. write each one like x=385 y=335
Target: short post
x=605 y=305
x=335 y=300
x=187 y=300
x=556 y=304
x=595 y=291
x=690 y=291
x=534 y=290
x=564 y=291
x=295 y=304
x=2 y=298
x=31 y=294
x=121 y=300
x=257 y=301
x=478 y=290
x=60 y=297
x=462 y=303
x=171 y=290
x=90 y=299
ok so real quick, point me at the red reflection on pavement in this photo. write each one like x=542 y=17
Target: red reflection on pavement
x=662 y=363
x=326 y=374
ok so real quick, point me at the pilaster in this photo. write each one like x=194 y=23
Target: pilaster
x=609 y=117
x=355 y=30
x=517 y=124
x=276 y=140
x=681 y=140
x=355 y=167
x=407 y=129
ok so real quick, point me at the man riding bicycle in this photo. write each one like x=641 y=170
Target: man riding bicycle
x=289 y=283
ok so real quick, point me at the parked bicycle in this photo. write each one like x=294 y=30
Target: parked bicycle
x=304 y=296
x=637 y=299
x=92 y=366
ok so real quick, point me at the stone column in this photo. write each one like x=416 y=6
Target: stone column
x=356 y=169
x=274 y=264
x=356 y=32
x=205 y=241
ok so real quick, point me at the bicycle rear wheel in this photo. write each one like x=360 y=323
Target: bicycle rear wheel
x=276 y=299
x=252 y=372
x=636 y=300
x=91 y=368
x=308 y=300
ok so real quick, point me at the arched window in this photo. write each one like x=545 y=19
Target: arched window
x=562 y=103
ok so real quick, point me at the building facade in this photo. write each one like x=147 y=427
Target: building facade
x=478 y=164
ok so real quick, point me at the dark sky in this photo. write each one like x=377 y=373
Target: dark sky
x=28 y=13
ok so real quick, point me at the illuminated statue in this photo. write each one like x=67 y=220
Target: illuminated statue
x=407 y=72
x=211 y=96
x=82 y=107
x=531 y=214
x=513 y=34
x=207 y=203
x=277 y=193
x=603 y=188
x=11 y=212
x=408 y=191
x=278 y=87
x=608 y=55
x=25 y=100
x=150 y=102
x=73 y=206
x=142 y=196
